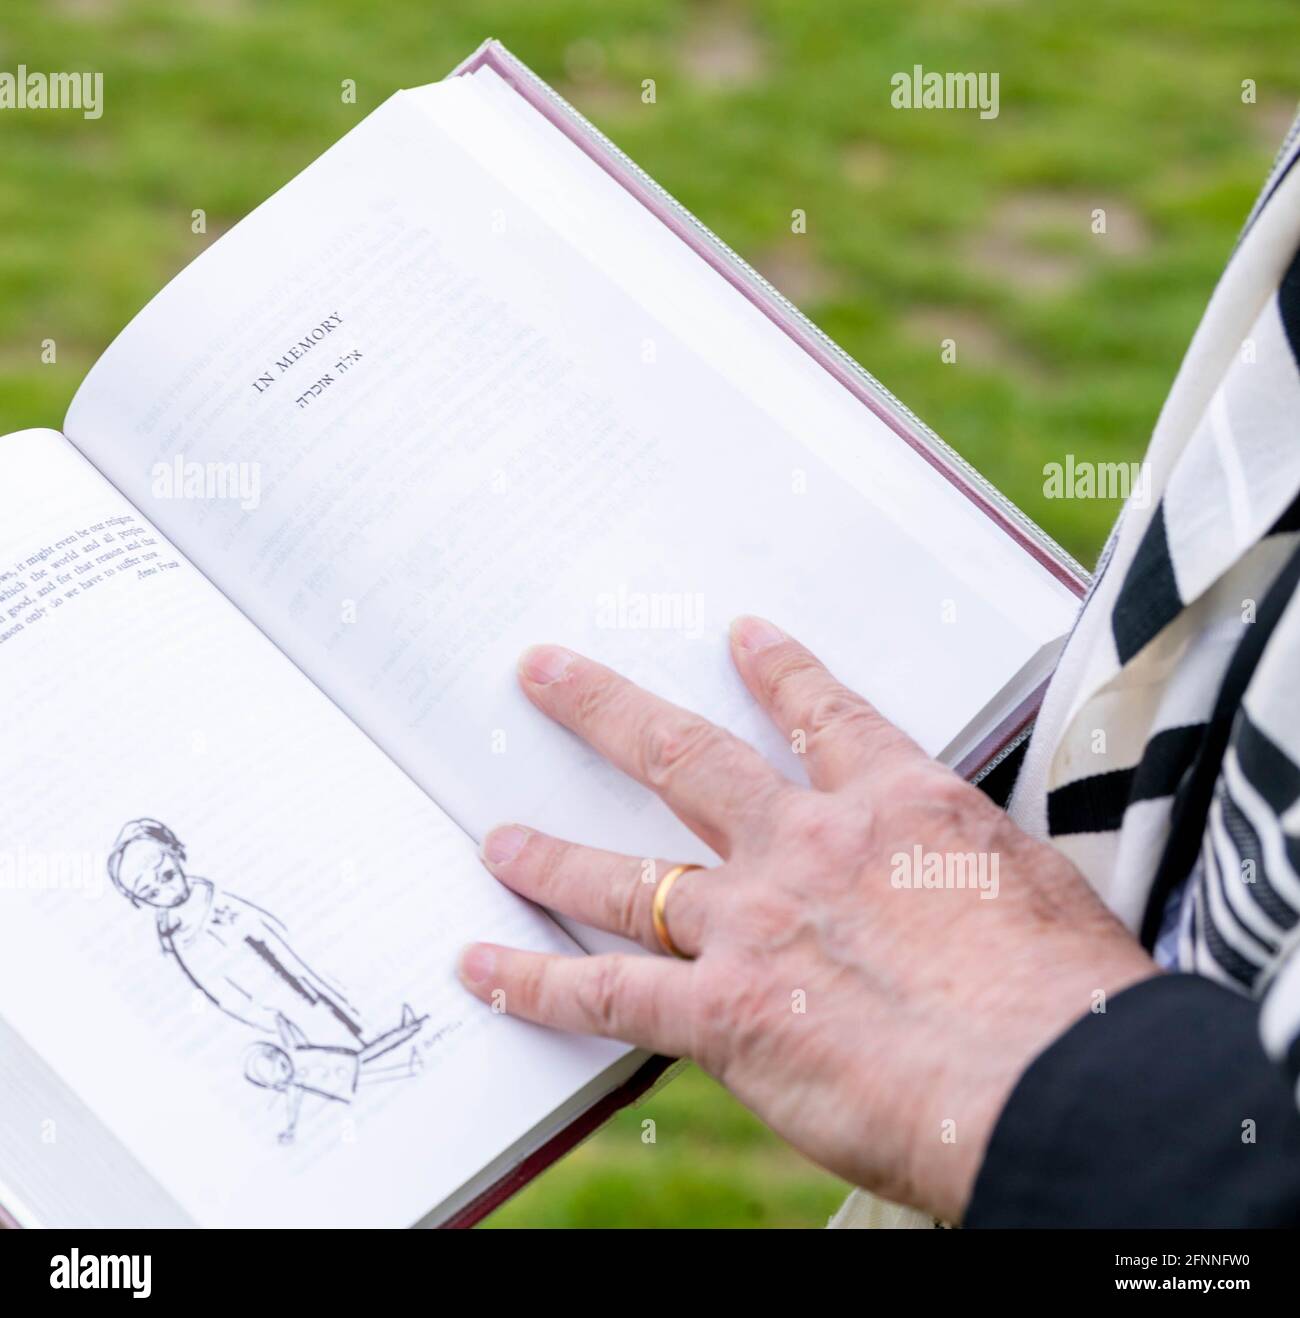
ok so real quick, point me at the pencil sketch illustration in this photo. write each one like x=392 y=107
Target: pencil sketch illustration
x=294 y=1067
x=240 y=958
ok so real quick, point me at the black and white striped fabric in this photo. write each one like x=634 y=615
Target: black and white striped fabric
x=1166 y=763
x=1166 y=760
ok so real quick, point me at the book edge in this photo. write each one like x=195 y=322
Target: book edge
x=758 y=290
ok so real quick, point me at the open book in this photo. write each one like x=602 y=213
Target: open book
x=471 y=381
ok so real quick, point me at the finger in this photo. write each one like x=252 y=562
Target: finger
x=715 y=784
x=601 y=888
x=641 y=1000
x=843 y=735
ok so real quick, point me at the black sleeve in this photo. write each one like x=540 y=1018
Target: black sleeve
x=1162 y=1111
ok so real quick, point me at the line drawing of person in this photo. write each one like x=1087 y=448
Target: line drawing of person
x=239 y=957
x=295 y=1068
x=235 y=953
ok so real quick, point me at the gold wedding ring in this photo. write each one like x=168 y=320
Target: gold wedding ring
x=658 y=910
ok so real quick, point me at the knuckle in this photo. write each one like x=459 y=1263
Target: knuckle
x=733 y=1007
x=669 y=749
x=826 y=827
x=944 y=806
x=837 y=710
x=764 y=924
x=936 y=788
x=597 y=993
x=630 y=901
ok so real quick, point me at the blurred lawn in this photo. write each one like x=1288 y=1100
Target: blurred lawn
x=921 y=226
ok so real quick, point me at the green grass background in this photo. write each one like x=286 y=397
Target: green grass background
x=920 y=226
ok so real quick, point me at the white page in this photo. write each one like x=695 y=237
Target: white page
x=636 y=250
x=142 y=693
x=523 y=451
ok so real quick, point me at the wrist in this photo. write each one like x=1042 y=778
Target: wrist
x=984 y=1065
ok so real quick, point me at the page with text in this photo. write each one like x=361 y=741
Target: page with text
x=227 y=921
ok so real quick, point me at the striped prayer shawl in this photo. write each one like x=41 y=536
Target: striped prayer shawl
x=1166 y=760
x=1166 y=757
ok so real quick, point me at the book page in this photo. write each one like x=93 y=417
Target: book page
x=227 y=921
x=470 y=436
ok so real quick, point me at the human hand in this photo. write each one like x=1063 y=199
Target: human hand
x=878 y=1027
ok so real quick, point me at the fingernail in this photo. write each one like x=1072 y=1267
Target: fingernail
x=755 y=633
x=503 y=844
x=477 y=963
x=544 y=664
